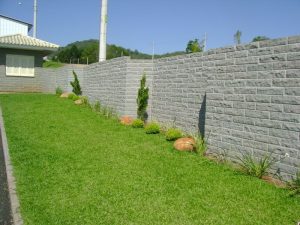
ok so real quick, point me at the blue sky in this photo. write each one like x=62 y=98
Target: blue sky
x=170 y=24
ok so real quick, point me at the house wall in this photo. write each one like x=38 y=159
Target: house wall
x=243 y=98
x=10 y=27
x=19 y=84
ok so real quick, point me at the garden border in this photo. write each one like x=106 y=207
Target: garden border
x=14 y=201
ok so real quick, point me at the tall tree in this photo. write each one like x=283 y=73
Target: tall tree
x=237 y=37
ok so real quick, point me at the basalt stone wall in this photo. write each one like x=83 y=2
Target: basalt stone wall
x=244 y=98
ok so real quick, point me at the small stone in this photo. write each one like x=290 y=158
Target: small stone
x=126 y=120
x=185 y=144
x=65 y=95
x=78 y=102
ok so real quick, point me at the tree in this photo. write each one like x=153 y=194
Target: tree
x=237 y=37
x=91 y=53
x=142 y=99
x=194 y=46
x=75 y=84
x=260 y=38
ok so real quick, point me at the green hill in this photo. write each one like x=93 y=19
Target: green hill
x=87 y=51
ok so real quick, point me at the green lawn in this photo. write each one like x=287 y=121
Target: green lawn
x=74 y=167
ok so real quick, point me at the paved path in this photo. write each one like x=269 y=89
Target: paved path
x=5 y=211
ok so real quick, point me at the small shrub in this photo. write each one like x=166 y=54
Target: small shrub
x=255 y=167
x=71 y=96
x=75 y=84
x=97 y=106
x=75 y=97
x=58 y=91
x=138 y=123
x=142 y=99
x=173 y=134
x=152 y=128
x=294 y=185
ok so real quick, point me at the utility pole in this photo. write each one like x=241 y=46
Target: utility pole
x=205 y=41
x=103 y=28
x=34 y=18
x=153 y=50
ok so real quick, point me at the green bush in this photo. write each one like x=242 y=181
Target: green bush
x=71 y=96
x=75 y=98
x=255 y=167
x=138 y=123
x=173 y=134
x=152 y=128
x=58 y=91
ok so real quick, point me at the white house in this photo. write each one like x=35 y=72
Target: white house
x=10 y=26
x=20 y=54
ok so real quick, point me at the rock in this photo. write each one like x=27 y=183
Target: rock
x=65 y=95
x=126 y=120
x=78 y=102
x=185 y=144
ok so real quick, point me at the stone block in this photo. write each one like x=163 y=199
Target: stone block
x=293 y=100
x=258 y=98
x=269 y=107
x=292 y=91
x=270 y=91
x=260 y=67
x=288 y=117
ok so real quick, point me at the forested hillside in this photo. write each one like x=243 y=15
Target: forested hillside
x=87 y=52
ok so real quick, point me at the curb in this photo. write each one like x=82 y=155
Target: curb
x=14 y=201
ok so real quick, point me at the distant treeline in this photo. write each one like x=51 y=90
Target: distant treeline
x=84 y=52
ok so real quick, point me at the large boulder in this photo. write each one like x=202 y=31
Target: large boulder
x=185 y=144
x=64 y=95
x=126 y=120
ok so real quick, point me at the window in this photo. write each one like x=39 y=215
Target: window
x=20 y=65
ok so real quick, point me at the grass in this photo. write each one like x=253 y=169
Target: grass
x=75 y=167
x=52 y=64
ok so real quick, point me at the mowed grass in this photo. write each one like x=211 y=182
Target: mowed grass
x=75 y=167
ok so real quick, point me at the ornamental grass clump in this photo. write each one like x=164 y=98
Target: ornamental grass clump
x=255 y=167
x=201 y=143
x=172 y=134
x=138 y=123
x=152 y=128
x=294 y=185
x=97 y=106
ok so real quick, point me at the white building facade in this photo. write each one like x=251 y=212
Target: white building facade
x=9 y=26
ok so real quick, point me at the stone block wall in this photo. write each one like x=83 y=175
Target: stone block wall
x=247 y=97
x=243 y=98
